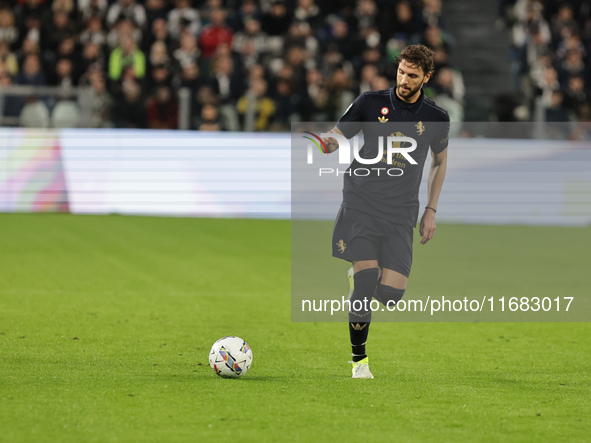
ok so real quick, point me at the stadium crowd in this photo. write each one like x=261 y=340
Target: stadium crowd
x=247 y=64
x=550 y=58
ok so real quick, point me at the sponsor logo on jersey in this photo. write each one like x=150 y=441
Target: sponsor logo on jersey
x=382 y=119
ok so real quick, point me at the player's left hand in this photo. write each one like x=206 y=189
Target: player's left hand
x=427 y=227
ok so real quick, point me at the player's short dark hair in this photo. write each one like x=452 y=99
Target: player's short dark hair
x=419 y=56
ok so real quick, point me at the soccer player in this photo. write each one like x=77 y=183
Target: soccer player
x=374 y=227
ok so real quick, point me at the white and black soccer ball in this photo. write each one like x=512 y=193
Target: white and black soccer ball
x=230 y=357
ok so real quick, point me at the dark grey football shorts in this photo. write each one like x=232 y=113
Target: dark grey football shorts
x=360 y=236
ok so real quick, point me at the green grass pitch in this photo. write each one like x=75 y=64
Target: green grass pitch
x=106 y=323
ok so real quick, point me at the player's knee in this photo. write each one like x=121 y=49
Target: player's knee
x=388 y=295
x=365 y=286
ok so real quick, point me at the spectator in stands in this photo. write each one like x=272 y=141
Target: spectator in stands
x=129 y=110
x=367 y=14
x=127 y=55
x=404 y=22
x=277 y=19
x=308 y=12
x=155 y=9
x=160 y=77
x=248 y=11
x=449 y=93
x=537 y=45
x=162 y=110
x=128 y=9
x=339 y=87
x=556 y=112
x=295 y=59
x=66 y=6
x=8 y=31
x=205 y=96
x=68 y=49
x=432 y=14
x=315 y=104
x=572 y=65
x=440 y=58
x=379 y=83
x=123 y=27
x=94 y=32
x=545 y=85
x=368 y=73
x=215 y=34
x=8 y=61
x=28 y=47
x=31 y=29
x=29 y=9
x=93 y=8
x=187 y=53
x=92 y=55
x=96 y=104
x=563 y=20
x=63 y=75
x=10 y=105
x=345 y=42
x=59 y=29
x=250 y=44
x=257 y=72
x=257 y=102
x=575 y=94
x=159 y=55
x=31 y=74
x=224 y=83
x=531 y=18
x=209 y=119
x=189 y=78
x=434 y=38
x=159 y=33
x=286 y=104
x=206 y=9
x=300 y=34
x=571 y=41
x=183 y=18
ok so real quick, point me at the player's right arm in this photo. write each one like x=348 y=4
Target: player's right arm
x=348 y=125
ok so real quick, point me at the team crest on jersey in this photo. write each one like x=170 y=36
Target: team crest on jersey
x=382 y=119
x=385 y=111
x=420 y=128
x=341 y=245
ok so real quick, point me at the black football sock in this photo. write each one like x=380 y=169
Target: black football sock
x=360 y=313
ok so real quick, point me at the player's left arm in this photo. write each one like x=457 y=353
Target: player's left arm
x=436 y=177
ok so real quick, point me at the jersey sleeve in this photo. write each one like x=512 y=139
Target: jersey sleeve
x=351 y=121
x=441 y=138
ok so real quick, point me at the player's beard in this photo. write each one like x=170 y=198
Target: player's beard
x=409 y=93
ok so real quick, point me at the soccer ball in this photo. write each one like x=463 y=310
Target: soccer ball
x=230 y=357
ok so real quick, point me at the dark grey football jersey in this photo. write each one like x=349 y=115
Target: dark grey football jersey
x=391 y=190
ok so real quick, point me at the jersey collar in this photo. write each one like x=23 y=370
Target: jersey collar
x=399 y=104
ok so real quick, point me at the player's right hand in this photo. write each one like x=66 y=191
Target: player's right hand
x=331 y=143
